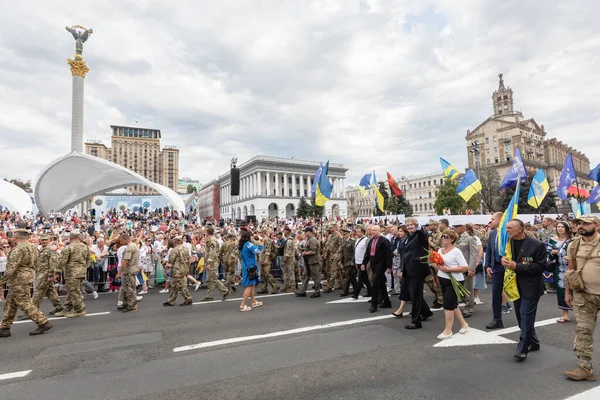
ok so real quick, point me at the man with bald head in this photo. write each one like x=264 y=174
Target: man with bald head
x=379 y=254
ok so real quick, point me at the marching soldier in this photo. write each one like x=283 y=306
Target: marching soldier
x=74 y=260
x=45 y=267
x=334 y=256
x=289 y=261
x=348 y=270
x=435 y=242
x=312 y=260
x=265 y=259
x=228 y=256
x=129 y=270
x=211 y=265
x=179 y=261
x=19 y=274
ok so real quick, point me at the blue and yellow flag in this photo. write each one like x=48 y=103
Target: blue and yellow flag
x=516 y=172
x=538 y=190
x=449 y=171
x=313 y=191
x=324 y=187
x=364 y=184
x=469 y=185
x=510 y=213
x=380 y=199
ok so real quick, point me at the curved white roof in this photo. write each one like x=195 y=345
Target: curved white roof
x=14 y=198
x=76 y=177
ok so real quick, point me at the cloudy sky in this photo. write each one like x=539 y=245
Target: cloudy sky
x=374 y=84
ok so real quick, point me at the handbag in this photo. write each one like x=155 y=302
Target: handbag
x=116 y=282
x=252 y=273
x=573 y=276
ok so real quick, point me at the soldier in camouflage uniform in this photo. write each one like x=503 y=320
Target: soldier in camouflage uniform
x=228 y=256
x=19 y=275
x=325 y=245
x=74 y=260
x=435 y=241
x=129 y=270
x=264 y=259
x=179 y=260
x=547 y=231
x=334 y=253
x=289 y=262
x=211 y=265
x=45 y=267
x=348 y=271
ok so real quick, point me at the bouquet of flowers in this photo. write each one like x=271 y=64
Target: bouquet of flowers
x=436 y=258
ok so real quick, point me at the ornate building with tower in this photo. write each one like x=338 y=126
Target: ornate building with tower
x=507 y=129
x=273 y=186
x=138 y=149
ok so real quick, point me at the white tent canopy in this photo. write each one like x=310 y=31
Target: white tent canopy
x=14 y=198
x=76 y=177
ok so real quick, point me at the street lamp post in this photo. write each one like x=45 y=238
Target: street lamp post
x=476 y=151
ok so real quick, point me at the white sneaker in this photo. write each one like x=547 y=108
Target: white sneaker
x=464 y=330
x=477 y=301
x=95 y=294
x=196 y=286
x=441 y=336
x=143 y=292
x=138 y=298
x=164 y=291
x=119 y=304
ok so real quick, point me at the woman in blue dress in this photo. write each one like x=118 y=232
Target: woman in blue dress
x=248 y=252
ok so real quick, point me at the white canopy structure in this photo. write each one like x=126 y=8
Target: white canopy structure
x=14 y=198
x=76 y=177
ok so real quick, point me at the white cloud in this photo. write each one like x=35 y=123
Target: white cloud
x=368 y=83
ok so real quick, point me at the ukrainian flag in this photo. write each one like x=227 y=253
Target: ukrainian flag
x=469 y=185
x=380 y=199
x=324 y=187
x=364 y=184
x=538 y=190
x=510 y=213
x=449 y=170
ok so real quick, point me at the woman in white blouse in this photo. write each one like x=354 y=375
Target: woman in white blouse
x=455 y=264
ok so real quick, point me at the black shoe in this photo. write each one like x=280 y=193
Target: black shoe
x=520 y=356
x=233 y=288
x=414 y=325
x=495 y=324
x=226 y=295
x=4 y=332
x=120 y=308
x=465 y=315
x=372 y=309
x=302 y=294
x=55 y=311
x=41 y=329
x=397 y=315
x=315 y=295
x=368 y=294
x=354 y=296
x=343 y=294
x=167 y=304
x=424 y=317
x=534 y=347
x=186 y=303
x=386 y=305
x=436 y=304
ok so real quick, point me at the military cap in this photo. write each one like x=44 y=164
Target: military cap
x=345 y=230
x=178 y=238
x=287 y=229
x=586 y=219
x=433 y=222
x=308 y=229
x=45 y=236
x=22 y=232
x=75 y=232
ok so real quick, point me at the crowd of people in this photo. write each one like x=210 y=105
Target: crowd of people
x=123 y=250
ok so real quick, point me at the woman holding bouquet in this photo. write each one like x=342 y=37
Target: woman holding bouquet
x=453 y=268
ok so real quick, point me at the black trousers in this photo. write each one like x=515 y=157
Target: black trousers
x=419 y=306
x=379 y=288
x=363 y=279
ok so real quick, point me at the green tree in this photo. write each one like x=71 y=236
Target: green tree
x=303 y=209
x=401 y=206
x=489 y=196
x=191 y=188
x=447 y=198
x=548 y=204
x=315 y=210
x=26 y=186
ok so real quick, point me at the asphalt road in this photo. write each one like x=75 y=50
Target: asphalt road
x=291 y=348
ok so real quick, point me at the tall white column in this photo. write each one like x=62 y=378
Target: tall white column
x=78 y=70
x=277 y=192
x=268 y=186
x=309 y=184
x=294 y=185
x=258 y=183
x=286 y=191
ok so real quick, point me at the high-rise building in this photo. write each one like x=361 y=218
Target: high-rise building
x=507 y=129
x=138 y=149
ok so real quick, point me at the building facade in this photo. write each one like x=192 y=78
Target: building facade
x=138 y=149
x=273 y=186
x=208 y=200
x=421 y=192
x=507 y=129
x=360 y=206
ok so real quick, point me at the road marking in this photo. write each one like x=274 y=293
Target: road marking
x=280 y=333
x=361 y=299
x=593 y=393
x=473 y=337
x=240 y=299
x=13 y=375
x=57 y=318
x=514 y=329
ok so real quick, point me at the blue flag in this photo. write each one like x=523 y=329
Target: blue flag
x=595 y=195
x=515 y=173
x=313 y=190
x=364 y=184
x=324 y=187
x=567 y=177
x=595 y=174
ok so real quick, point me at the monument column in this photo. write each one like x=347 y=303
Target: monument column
x=268 y=185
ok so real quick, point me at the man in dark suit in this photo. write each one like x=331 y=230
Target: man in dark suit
x=379 y=254
x=530 y=258
x=495 y=270
x=415 y=270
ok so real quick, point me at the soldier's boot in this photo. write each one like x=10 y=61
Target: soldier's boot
x=580 y=374
x=56 y=310
x=232 y=288
x=262 y=291
x=186 y=303
x=207 y=299
x=5 y=332
x=76 y=314
x=62 y=313
x=275 y=291
x=167 y=304
x=225 y=295
x=41 y=329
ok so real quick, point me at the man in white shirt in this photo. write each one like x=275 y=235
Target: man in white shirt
x=101 y=252
x=359 y=253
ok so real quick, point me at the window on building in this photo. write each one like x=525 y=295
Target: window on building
x=428 y=183
x=495 y=138
x=441 y=181
x=429 y=194
x=488 y=161
x=487 y=140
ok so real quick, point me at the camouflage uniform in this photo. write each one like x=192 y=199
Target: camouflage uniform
x=348 y=271
x=45 y=266
x=19 y=275
x=289 y=260
x=545 y=234
x=325 y=249
x=179 y=261
x=211 y=260
x=436 y=240
x=74 y=260
x=228 y=256
x=335 y=256
x=264 y=259
x=132 y=255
